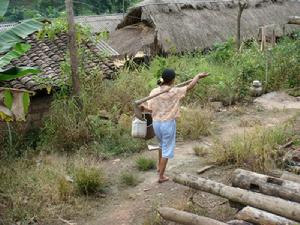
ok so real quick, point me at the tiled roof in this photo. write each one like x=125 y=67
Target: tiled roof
x=48 y=55
x=100 y=23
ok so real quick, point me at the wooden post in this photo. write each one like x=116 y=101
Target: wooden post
x=263 y=38
x=73 y=48
x=242 y=6
x=266 y=185
x=294 y=20
x=261 y=217
x=273 y=38
x=186 y=218
x=271 y=204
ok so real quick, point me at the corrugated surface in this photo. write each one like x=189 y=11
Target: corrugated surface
x=106 y=48
x=6 y=26
x=100 y=23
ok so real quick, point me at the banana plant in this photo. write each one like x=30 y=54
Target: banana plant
x=10 y=42
x=3 y=6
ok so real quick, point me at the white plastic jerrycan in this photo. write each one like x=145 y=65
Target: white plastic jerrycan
x=139 y=128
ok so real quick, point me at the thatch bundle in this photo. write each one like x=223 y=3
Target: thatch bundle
x=181 y=25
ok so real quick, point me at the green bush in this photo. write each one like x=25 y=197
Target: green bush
x=129 y=179
x=145 y=164
x=89 y=180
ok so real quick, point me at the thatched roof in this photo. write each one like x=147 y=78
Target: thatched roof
x=181 y=25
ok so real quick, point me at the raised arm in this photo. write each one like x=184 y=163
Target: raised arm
x=196 y=79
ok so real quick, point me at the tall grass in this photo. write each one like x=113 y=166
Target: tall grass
x=256 y=149
x=38 y=188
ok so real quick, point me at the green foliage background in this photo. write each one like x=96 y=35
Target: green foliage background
x=25 y=9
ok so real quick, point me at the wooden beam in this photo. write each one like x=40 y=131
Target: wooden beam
x=271 y=204
x=261 y=217
x=266 y=185
x=186 y=218
x=290 y=176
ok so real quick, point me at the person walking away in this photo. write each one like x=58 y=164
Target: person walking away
x=165 y=110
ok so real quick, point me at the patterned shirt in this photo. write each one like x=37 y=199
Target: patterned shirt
x=167 y=105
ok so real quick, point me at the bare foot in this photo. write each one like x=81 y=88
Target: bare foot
x=164 y=179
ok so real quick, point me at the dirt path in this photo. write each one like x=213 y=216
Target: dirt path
x=130 y=206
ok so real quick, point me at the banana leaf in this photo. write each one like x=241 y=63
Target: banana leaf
x=16 y=72
x=18 y=50
x=3 y=6
x=17 y=33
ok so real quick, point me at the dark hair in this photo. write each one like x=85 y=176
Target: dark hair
x=168 y=75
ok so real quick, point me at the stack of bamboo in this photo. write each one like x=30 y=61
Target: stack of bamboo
x=267 y=200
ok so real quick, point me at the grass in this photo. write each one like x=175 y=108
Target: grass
x=200 y=151
x=257 y=149
x=129 y=179
x=89 y=180
x=145 y=164
x=37 y=187
x=194 y=123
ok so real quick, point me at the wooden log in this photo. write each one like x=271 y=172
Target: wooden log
x=185 y=217
x=261 y=217
x=271 y=204
x=290 y=176
x=203 y=169
x=294 y=20
x=238 y=222
x=266 y=184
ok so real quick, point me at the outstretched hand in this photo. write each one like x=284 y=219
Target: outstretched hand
x=202 y=75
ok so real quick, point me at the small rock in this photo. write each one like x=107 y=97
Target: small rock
x=69 y=179
x=147 y=189
x=217 y=106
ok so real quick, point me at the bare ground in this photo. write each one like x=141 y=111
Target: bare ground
x=135 y=205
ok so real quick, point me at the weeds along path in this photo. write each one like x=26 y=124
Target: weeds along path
x=133 y=205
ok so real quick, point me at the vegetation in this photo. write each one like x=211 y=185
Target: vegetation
x=194 y=122
x=129 y=178
x=145 y=164
x=200 y=151
x=25 y=9
x=47 y=186
x=89 y=180
x=257 y=150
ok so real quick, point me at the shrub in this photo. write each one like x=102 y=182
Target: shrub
x=37 y=188
x=256 y=149
x=194 y=122
x=144 y=164
x=65 y=189
x=89 y=180
x=129 y=179
x=200 y=151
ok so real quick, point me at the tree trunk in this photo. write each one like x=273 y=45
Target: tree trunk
x=73 y=48
x=242 y=6
x=261 y=217
x=271 y=204
x=186 y=218
x=294 y=20
x=290 y=176
x=267 y=185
